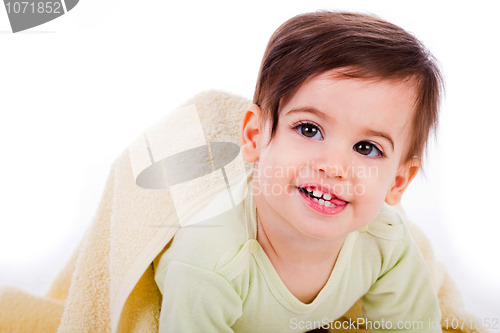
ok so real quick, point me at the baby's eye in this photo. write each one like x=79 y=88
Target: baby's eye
x=368 y=149
x=309 y=130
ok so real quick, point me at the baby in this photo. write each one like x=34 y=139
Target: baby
x=343 y=108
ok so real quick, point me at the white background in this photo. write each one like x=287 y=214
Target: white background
x=76 y=91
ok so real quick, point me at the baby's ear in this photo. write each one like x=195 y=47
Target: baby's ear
x=250 y=133
x=405 y=175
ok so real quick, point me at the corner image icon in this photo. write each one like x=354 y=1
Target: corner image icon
x=25 y=15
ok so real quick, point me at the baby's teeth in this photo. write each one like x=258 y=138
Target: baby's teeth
x=327 y=203
x=317 y=194
x=309 y=189
x=315 y=199
x=321 y=202
x=327 y=196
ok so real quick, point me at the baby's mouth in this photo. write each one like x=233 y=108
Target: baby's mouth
x=324 y=199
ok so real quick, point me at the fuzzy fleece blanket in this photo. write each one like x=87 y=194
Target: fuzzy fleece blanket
x=108 y=284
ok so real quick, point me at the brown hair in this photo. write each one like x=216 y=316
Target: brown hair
x=363 y=46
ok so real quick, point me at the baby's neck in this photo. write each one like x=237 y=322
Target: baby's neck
x=294 y=250
x=304 y=265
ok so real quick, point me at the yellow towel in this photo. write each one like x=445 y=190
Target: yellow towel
x=108 y=284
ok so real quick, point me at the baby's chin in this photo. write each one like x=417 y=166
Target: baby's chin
x=323 y=229
x=334 y=228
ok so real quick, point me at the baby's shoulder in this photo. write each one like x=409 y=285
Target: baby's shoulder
x=383 y=242
x=204 y=244
x=388 y=224
x=387 y=233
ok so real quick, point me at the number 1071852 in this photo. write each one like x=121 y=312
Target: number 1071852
x=33 y=7
x=477 y=324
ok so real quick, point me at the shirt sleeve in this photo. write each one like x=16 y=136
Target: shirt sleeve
x=196 y=300
x=403 y=297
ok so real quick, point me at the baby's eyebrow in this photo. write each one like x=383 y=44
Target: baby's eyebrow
x=309 y=109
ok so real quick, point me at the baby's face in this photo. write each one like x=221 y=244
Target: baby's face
x=342 y=139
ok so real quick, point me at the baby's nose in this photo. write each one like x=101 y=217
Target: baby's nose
x=337 y=165
x=335 y=171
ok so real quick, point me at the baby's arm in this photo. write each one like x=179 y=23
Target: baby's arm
x=403 y=294
x=196 y=300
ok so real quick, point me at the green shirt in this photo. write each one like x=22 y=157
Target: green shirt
x=215 y=277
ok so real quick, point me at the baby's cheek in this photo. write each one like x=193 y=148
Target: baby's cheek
x=363 y=187
x=364 y=211
x=372 y=183
x=368 y=197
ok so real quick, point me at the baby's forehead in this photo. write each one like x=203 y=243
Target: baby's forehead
x=345 y=79
x=335 y=97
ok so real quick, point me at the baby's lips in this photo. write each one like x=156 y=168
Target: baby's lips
x=338 y=202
